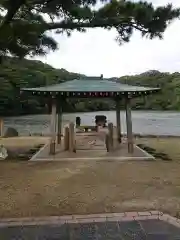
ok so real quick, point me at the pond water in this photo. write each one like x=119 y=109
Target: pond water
x=144 y=122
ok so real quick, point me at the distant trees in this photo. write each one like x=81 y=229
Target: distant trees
x=167 y=99
x=15 y=74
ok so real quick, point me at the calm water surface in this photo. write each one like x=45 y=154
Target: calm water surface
x=144 y=122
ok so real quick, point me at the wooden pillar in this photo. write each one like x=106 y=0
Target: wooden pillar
x=110 y=137
x=66 y=138
x=129 y=126
x=59 y=124
x=53 y=128
x=118 y=120
x=71 y=137
x=1 y=127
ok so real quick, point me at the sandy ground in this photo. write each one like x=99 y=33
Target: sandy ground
x=21 y=145
x=60 y=188
x=23 y=141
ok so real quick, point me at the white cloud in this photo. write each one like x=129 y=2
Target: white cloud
x=96 y=52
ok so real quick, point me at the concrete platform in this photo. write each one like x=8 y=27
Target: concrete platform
x=91 y=147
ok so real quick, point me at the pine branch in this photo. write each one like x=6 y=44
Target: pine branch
x=89 y=24
x=12 y=9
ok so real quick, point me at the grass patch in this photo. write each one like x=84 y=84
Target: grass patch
x=155 y=153
x=169 y=146
x=60 y=188
x=23 y=141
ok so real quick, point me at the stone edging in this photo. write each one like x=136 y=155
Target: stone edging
x=111 y=217
x=148 y=155
x=38 y=152
x=109 y=159
x=104 y=158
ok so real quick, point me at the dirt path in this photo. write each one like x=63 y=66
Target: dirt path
x=76 y=188
x=60 y=188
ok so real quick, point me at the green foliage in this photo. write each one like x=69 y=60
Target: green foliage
x=24 y=23
x=168 y=99
x=15 y=74
x=24 y=36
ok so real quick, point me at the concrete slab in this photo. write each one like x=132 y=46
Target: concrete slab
x=95 y=226
x=98 y=154
x=91 y=146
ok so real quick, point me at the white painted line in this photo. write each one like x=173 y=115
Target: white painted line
x=110 y=158
x=37 y=153
x=105 y=158
x=146 y=153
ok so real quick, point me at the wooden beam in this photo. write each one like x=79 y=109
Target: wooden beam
x=118 y=120
x=66 y=138
x=53 y=127
x=59 y=123
x=129 y=126
x=1 y=127
x=110 y=137
x=71 y=137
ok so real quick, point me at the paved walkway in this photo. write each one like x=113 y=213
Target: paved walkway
x=152 y=225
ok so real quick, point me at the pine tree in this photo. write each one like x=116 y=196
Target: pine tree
x=24 y=24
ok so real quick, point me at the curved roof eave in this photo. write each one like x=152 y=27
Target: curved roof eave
x=85 y=85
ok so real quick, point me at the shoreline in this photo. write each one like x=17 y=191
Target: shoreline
x=136 y=135
x=154 y=136
x=95 y=111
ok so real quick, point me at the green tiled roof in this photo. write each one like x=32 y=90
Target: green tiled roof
x=91 y=85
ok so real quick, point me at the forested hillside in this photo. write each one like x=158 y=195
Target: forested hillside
x=15 y=74
x=168 y=99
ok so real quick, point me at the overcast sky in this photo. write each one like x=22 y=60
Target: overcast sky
x=96 y=52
